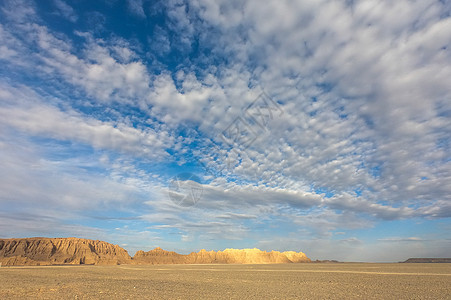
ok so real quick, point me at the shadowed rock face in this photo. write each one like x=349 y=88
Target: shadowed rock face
x=52 y=251
x=228 y=256
x=55 y=251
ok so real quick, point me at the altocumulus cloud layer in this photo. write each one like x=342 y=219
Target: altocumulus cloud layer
x=346 y=154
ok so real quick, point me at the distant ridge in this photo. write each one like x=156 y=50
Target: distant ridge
x=428 y=260
x=56 y=251
x=327 y=261
x=228 y=256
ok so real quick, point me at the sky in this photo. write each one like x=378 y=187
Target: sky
x=314 y=126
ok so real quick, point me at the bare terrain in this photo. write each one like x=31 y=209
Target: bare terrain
x=207 y=281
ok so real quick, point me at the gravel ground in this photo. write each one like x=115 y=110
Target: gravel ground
x=286 y=281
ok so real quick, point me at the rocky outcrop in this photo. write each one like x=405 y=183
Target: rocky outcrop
x=57 y=251
x=54 y=251
x=158 y=256
x=228 y=256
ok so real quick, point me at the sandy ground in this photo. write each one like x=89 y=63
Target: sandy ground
x=287 y=281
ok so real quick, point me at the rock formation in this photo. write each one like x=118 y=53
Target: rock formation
x=228 y=256
x=428 y=260
x=55 y=251
x=158 y=256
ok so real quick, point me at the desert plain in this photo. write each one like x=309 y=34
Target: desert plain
x=229 y=281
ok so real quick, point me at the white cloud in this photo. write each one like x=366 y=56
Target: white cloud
x=66 y=10
x=19 y=11
x=29 y=179
x=25 y=111
x=389 y=87
x=136 y=8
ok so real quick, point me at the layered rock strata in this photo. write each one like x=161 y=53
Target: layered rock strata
x=75 y=251
x=228 y=256
x=54 y=251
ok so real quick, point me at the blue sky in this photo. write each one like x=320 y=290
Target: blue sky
x=314 y=126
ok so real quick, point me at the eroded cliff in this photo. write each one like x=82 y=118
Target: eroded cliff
x=228 y=256
x=53 y=251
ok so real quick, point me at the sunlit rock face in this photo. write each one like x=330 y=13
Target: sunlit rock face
x=228 y=256
x=75 y=251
